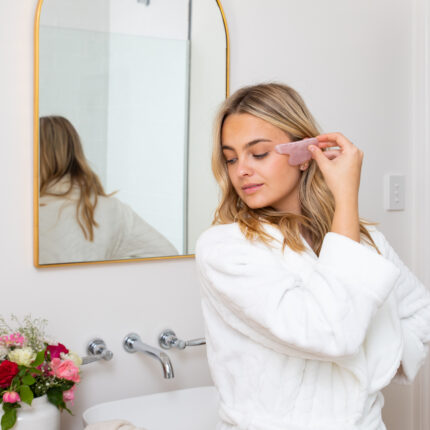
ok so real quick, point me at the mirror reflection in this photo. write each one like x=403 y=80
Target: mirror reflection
x=78 y=220
x=116 y=110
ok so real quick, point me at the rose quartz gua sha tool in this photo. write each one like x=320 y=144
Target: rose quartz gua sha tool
x=298 y=151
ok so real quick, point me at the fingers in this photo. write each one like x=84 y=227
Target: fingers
x=334 y=139
x=331 y=155
x=326 y=144
x=319 y=156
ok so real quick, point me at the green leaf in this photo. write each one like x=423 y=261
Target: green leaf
x=26 y=394
x=40 y=357
x=8 y=406
x=8 y=419
x=15 y=381
x=28 y=380
x=55 y=396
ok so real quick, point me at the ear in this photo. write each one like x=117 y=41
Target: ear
x=304 y=166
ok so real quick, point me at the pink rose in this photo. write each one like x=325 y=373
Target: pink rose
x=56 y=350
x=69 y=395
x=11 y=397
x=65 y=369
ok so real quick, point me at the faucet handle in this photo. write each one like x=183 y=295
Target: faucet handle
x=96 y=350
x=167 y=340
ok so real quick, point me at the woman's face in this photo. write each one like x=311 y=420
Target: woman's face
x=260 y=176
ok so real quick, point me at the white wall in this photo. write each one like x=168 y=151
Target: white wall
x=420 y=152
x=361 y=88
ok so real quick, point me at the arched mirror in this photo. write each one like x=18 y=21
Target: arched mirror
x=125 y=96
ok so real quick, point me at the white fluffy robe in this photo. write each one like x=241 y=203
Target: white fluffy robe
x=296 y=341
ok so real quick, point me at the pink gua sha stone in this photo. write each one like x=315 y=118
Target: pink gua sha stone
x=298 y=151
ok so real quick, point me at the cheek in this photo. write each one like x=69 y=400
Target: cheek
x=283 y=177
x=279 y=169
x=230 y=175
x=233 y=179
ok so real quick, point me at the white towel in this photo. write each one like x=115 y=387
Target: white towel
x=113 y=425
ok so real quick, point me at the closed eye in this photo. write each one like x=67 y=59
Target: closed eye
x=231 y=161
x=260 y=155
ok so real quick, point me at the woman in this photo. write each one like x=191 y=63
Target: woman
x=78 y=221
x=308 y=310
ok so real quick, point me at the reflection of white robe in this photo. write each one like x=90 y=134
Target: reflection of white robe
x=120 y=234
x=296 y=341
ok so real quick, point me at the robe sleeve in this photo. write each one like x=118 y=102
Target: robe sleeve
x=414 y=311
x=323 y=313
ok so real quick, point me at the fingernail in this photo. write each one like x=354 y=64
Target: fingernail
x=311 y=148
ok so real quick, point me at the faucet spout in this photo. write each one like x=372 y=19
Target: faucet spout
x=133 y=343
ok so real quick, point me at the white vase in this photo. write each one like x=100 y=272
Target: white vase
x=41 y=415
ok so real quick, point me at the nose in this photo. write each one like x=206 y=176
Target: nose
x=244 y=168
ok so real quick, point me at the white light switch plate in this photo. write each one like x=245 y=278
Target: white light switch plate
x=394 y=192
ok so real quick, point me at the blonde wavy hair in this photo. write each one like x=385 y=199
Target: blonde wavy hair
x=283 y=107
x=62 y=155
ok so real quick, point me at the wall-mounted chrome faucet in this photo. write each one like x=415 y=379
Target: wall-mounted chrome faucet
x=167 y=339
x=133 y=343
x=96 y=350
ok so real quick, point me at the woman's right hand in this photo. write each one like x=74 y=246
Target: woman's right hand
x=342 y=173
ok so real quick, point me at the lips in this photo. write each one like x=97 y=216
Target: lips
x=250 y=188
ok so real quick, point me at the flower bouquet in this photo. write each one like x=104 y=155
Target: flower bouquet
x=31 y=366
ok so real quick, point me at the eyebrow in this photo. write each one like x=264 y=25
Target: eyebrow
x=247 y=145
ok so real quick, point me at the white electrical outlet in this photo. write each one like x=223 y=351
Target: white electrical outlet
x=394 y=192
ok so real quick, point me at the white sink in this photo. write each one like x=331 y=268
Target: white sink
x=188 y=409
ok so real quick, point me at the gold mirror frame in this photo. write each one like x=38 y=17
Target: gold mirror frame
x=36 y=149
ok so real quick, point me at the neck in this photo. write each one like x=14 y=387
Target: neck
x=291 y=203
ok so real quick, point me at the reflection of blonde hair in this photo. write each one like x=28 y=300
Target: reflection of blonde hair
x=282 y=107
x=61 y=155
